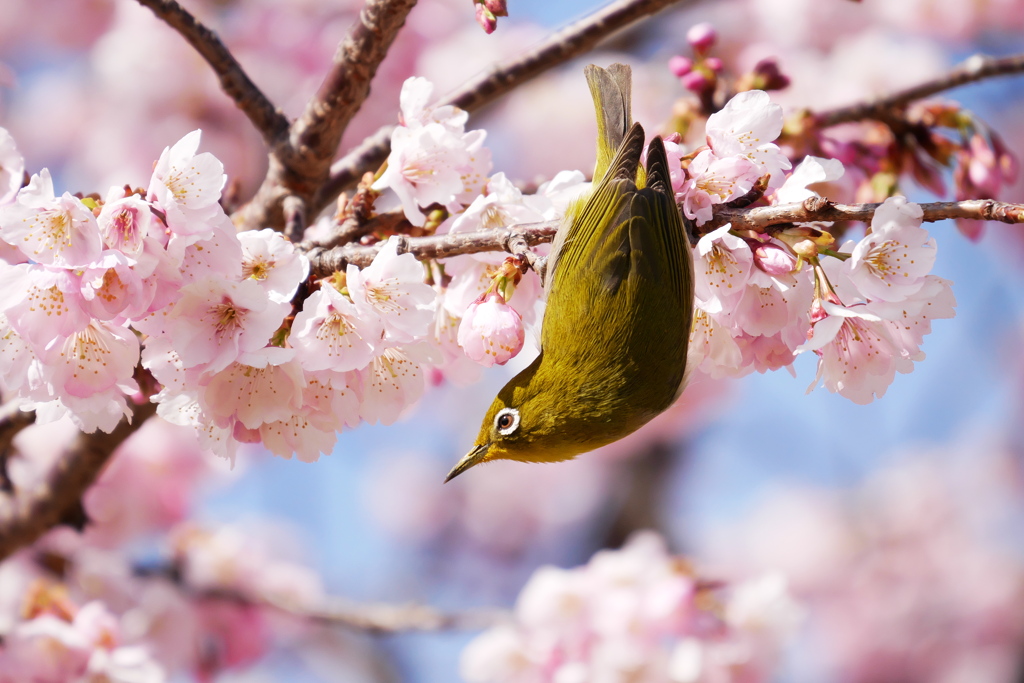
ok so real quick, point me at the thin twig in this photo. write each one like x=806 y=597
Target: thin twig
x=974 y=69
x=323 y=262
x=26 y=515
x=384 y=618
x=378 y=618
x=267 y=118
x=819 y=209
x=562 y=46
x=326 y=261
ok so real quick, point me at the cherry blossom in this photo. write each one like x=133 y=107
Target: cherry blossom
x=746 y=126
x=216 y=322
x=890 y=263
x=331 y=333
x=392 y=288
x=53 y=230
x=722 y=266
x=271 y=260
x=712 y=180
x=432 y=160
x=186 y=185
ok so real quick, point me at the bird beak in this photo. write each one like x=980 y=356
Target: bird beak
x=474 y=457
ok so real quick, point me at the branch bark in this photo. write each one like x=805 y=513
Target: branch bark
x=302 y=165
x=323 y=262
x=976 y=68
x=267 y=118
x=513 y=238
x=568 y=43
x=27 y=514
x=820 y=209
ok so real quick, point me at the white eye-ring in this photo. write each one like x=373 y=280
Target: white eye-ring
x=506 y=421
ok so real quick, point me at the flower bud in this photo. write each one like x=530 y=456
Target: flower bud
x=491 y=331
x=714 y=63
x=701 y=37
x=498 y=8
x=488 y=22
x=773 y=259
x=695 y=81
x=680 y=66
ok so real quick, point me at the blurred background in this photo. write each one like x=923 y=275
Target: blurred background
x=897 y=524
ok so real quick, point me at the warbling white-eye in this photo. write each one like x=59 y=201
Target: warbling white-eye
x=619 y=283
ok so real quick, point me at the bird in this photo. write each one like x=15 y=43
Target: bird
x=620 y=297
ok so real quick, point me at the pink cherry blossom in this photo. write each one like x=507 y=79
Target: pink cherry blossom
x=857 y=356
x=59 y=231
x=746 y=126
x=432 y=159
x=330 y=333
x=392 y=288
x=111 y=288
x=890 y=263
x=392 y=382
x=810 y=171
x=126 y=222
x=722 y=266
x=186 y=185
x=42 y=304
x=255 y=392
x=90 y=361
x=271 y=260
x=713 y=180
x=712 y=349
x=215 y=323
x=491 y=331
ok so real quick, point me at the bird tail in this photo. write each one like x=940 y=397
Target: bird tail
x=611 y=90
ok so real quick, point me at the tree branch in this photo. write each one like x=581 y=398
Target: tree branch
x=974 y=69
x=302 y=166
x=820 y=209
x=27 y=514
x=515 y=238
x=323 y=262
x=559 y=48
x=384 y=618
x=267 y=118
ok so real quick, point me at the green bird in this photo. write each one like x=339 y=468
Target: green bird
x=619 y=284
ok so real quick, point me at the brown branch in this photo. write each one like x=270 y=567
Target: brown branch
x=378 y=618
x=302 y=166
x=27 y=514
x=384 y=618
x=515 y=238
x=974 y=69
x=568 y=43
x=323 y=262
x=267 y=118
x=820 y=209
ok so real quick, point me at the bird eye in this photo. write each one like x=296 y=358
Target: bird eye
x=506 y=421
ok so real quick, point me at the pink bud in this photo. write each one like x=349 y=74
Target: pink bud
x=491 y=331
x=713 y=63
x=773 y=259
x=695 y=81
x=680 y=66
x=701 y=36
x=486 y=19
x=498 y=8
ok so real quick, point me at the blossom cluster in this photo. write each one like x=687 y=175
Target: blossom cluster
x=638 y=613
x=60 y=641
x=92 y=288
